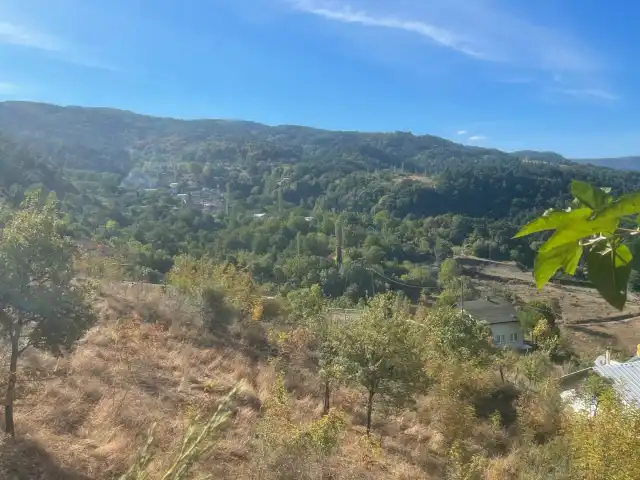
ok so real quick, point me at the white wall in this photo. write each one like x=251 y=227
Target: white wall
x=510 y=334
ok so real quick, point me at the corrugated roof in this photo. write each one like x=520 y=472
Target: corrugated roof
x=626 y=379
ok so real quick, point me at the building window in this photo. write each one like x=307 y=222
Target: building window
x=513 y=337
x=498 y=339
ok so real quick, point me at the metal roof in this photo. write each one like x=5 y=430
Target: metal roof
x=626 y=379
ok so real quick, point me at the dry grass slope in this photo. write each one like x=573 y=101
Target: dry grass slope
x=86 y=415
x=92 y=409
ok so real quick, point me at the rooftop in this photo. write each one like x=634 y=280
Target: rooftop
x=625 y=378
x=490 y=310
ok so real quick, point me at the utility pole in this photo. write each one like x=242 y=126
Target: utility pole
x=461 y=294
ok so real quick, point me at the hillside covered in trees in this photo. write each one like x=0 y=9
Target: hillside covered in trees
x=281 y=200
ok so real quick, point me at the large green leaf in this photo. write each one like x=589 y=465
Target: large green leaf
x=548 y=263
x=571 y=264
x=579 y=229
x=553 y=219
x=623 y=206
x=589 y=195
x=609 y=268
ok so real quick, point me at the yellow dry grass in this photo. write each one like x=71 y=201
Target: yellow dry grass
x=86 y=415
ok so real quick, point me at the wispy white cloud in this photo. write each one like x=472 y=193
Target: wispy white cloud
x=477 y=138
x=482 y=30
x=22 y=36
x=14 y=34
x=590 y=93
x=347 y=14
x=565 y=87
x=462 y=132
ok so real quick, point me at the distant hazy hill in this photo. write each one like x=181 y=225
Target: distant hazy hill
x=116 y=140
x=119 y=141
x=619 y=163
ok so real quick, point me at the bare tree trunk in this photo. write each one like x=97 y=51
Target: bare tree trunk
x=9 y=426
x=327 y=397
x=369 y=410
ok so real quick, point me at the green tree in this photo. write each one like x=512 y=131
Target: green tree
x=534 y=368
x=195 y=168
x=384 y=350
x=449 y=273
x=111 y=228
x=540 y=317
x=455 y=286
x=528 y=319
x=298 y=243
x=374 y=255
x=311 y=309
x=40 y=304
x=306 y=303
x=453 y=334
x=605 y=445
x=593 y=388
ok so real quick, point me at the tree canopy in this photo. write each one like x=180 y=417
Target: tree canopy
x=41 y=305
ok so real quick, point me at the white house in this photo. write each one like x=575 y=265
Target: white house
x=501 y=316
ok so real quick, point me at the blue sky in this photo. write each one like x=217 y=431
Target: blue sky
x=511 y=74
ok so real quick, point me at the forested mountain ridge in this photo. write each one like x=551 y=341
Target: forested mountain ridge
x=112 y=140
x=149 y=151
x=274 y=198
x=106 y=139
